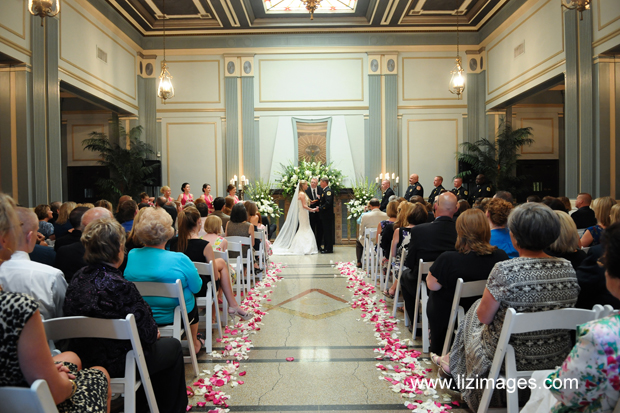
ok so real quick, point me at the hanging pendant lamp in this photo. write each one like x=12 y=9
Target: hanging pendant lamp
x=165 y=90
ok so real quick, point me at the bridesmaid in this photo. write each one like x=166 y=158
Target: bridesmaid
x=166 y=192
x=232 y=192
x=185 y=196
x=206 y=189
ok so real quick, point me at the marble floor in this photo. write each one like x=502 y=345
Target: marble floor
x=310 y=319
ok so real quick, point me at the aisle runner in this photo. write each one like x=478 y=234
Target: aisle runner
x=237 y=344
x=407 y=377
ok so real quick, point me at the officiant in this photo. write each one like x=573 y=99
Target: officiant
x=314 y=193
x=326 y=211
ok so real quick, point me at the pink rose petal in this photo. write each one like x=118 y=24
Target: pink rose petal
x=290 y=359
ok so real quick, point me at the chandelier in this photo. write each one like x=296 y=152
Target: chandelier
x=579 y=5
x=457 y=81
x=311 y=6
x=44 y=8
x=165 y=89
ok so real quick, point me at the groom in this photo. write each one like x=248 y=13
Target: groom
x=326 y=211
x=314 y=193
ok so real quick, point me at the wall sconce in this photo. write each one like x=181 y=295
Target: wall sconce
x=44 y=8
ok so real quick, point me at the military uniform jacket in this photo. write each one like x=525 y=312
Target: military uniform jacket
x=415 y=189
x=435 y=193
x=483 y=191
x=327 y=201
x=460 y=193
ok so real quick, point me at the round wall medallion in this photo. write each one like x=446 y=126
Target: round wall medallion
x=473 y=64
x=481 y=63
x=247 y=67
x=141 y=68
x=374 y=65
x=391 y=65
x=148 y=69
x=230 y=67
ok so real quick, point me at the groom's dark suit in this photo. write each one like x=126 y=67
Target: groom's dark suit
x=315 y=217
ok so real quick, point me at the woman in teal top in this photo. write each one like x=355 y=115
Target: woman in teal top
x=153 y=263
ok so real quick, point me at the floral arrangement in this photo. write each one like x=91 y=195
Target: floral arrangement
x=260 y=192
x=306 y=171
x=363 y=192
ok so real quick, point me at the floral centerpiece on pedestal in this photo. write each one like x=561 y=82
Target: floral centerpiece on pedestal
x=260 y=192
x=292 y=174
x=363 y=192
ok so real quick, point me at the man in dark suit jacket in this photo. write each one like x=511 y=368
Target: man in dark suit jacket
x=314 y=193
x=70 y=258
x=387 y=193
x=584 y=216
x=592 y=282
x=326 y=209
x=75 y=218
x=428 y=241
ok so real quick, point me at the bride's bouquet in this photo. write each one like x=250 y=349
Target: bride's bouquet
x=292 y=174
x=363 y=192
x=260 y=192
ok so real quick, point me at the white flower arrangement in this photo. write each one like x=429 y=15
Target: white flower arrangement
x=363 y=192
x=260 y=192
x=291 y=176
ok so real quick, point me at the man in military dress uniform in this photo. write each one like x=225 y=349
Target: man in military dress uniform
x=438 y=181
x=458 y=189
x=387 y=193
x=483 y=189
x=415 y=188
x=326 y=209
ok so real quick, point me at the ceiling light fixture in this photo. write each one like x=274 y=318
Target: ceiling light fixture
x=44 y=8
x=165 y=89
x=311 y=6
x=457 y=81
x=579 y=5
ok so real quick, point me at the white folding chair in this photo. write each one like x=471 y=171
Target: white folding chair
x=397 y=291
x=581 y=231
x=369 y=251
x=516 y=323
x=124 y=329
x=607 y=310
x=180 y=324
x=463 y=290
x=224 y=255
x=242 y=285
x=248 y=260
x=34 y=399
x=421 y=299
x=261 y=254
x=206 y=269
x=377 y=270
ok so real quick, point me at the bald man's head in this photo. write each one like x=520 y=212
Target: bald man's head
x=447 y=204
x=30 y=226
x=94 y=214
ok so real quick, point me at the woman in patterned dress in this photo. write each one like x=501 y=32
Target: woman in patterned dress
x=24 y=352
x=532 y=282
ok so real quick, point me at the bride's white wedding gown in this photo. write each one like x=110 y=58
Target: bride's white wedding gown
x=304 y=242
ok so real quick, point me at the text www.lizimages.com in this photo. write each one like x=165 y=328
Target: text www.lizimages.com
x=510 y=385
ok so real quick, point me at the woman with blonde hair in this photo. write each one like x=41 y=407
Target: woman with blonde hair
x=602 y=210
x=166 y=192
x=104 y=203
x=614 y=215
x=473 y=260
x=213 y=227
x=567 y=245
x=62 y=225
x=296 y=236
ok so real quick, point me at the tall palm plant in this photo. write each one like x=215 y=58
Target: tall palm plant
x=129 y=173
x=497 y=159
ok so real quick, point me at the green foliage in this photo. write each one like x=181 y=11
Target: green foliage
x=497 y=160
x=363 y=192
x=128 y=172
x=306 y=171
x=260 y=192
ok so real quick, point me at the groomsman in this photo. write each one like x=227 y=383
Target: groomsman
x=314 y=193
x=415 y=188
x=438 y=181
x=326 y=210
x=387 y=193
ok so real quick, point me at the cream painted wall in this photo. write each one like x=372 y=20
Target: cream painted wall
x=541 y=32
x=78 y=129
x=606 y=24
x=544 y=122
x=80 y=36
x=15 y=29
x=423 y=79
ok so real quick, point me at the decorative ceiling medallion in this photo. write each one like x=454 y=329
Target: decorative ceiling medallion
x=247 y=67
x=391 y=65
x=230 y=67
x=374 y=65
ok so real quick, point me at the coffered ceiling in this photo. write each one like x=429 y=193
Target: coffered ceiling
x=197 y=17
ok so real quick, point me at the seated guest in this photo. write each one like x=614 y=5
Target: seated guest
x=44 y=214
x=45 y=284
x=199 y=250
x=122 y=199
x=213 y=227
x=429 y=241
x=146 y=199
x=99 y=290
x=25 y=355
x=203 y=209
x=554 y=203
x=591 y=278
x=385 y=229
x=254 y=219
x=505 y=195
x=408 y=217
x=238 y=226
x=75 y=219
x=126 y=213
x=218 y=204
x=418 y=199
x=584 y=216
x=55 y=207
x=473 y=260
x=532 y=282
x=43 y=255
x=463 y=205
x=62 y=224
x=614 y=214
x=602 y=210
x=533 y=198
x=153 y=263
x=229 y=202
x=567 y=244
x=70 y=258
x=568 y=207
x=169 y=208
x=104 y=203
x=497 y=212
x=372 y=219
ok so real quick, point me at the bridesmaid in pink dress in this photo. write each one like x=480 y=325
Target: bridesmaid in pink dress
x=166 y=192
x=232 y=191
x=185 y=197
x=206 y=189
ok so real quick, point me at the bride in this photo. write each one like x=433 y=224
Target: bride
x=291 y=240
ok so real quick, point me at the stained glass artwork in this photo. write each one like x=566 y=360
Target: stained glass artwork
x=297 y=6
